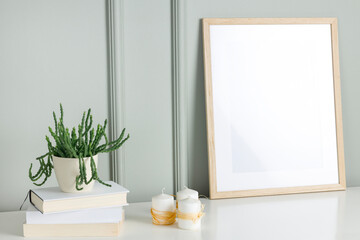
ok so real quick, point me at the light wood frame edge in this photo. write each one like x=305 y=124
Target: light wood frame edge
x=209 y=109
x=214 y=194
x=337 y=103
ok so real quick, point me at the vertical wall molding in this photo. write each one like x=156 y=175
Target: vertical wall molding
x=115 y=14
x=116 y=84
x=179 y=92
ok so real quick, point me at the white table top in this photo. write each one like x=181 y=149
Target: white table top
x=329 y=215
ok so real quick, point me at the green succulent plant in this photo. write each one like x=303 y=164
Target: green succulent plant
x=80 y=143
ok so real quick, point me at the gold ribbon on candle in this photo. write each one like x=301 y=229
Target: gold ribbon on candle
x=163 y=217
x=191 y=216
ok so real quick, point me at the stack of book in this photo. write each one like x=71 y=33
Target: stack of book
x=98 y=213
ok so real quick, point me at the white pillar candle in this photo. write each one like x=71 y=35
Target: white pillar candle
x=163 y=202
x=190 y=207
x=185 y=193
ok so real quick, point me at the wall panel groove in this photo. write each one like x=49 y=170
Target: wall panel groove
x=116 y=85
x=179 y=101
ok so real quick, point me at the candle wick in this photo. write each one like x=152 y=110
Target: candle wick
x=163 y=190
x=185 y=187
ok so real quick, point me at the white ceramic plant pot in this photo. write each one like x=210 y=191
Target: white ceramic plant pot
x=66 y=171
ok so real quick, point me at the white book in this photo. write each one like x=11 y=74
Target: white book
x=52 y=199
x=72 y=230
x=95 y=215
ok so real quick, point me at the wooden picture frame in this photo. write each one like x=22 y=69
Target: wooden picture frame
x=323 y=173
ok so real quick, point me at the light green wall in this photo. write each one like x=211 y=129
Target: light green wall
x=50 y=52
x=148 y=98
x=347 y=12
x=64 y=58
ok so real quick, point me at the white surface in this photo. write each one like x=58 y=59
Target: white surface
x=273 y=106
x=67 y=169
x=312 y=216
x=97 y=215
x=54 y=193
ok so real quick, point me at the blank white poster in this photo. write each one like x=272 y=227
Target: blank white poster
x=273 y=103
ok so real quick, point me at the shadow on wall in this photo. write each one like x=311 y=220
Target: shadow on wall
x=198 y=157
